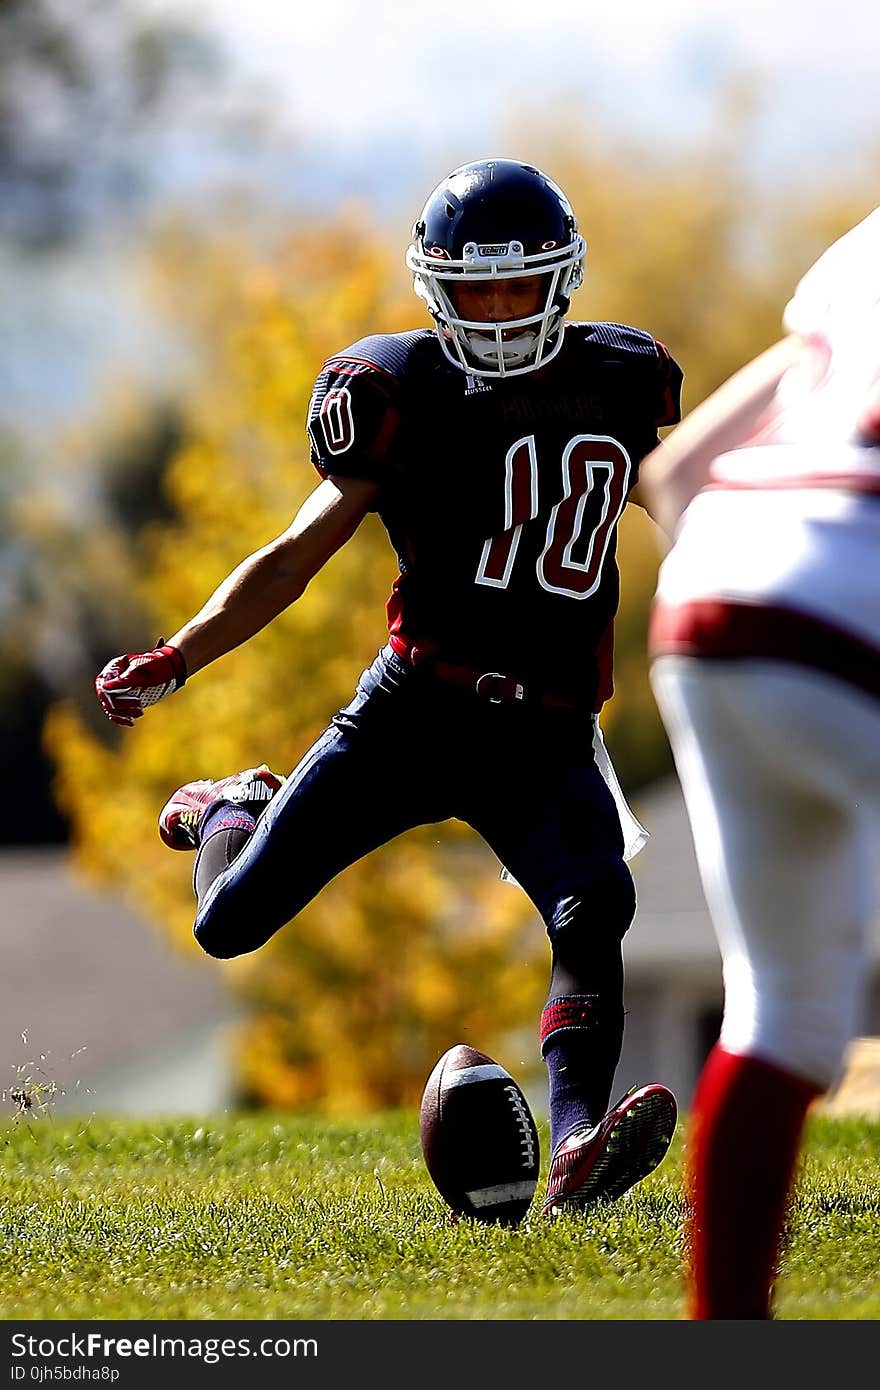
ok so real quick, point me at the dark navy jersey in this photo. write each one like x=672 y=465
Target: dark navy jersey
x=501 y=497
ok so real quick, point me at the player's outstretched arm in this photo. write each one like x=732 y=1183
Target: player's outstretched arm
x=256 y=591
x=675 y=471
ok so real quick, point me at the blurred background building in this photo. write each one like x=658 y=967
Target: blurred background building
x=199 y=201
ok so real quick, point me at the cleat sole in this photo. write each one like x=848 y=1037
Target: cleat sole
x=634 y=1148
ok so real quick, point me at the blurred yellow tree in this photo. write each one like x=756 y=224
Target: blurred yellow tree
x=418 y=946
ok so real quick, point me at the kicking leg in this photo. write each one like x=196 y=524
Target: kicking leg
x=259 y=864
x=334 y=808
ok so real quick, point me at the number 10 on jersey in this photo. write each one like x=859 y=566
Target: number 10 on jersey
x=595 y=469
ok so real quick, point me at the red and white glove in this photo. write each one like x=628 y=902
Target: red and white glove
x=129 y=684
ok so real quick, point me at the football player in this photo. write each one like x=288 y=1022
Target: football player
x=766 y=643
x=499 y=449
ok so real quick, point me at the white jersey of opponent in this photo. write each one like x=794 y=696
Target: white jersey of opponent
x=810 y=432
x=791 y=521
x=815 y=552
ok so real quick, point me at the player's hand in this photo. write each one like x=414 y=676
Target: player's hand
x=129 y=684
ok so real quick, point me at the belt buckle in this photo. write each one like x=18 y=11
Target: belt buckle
x=519 y=690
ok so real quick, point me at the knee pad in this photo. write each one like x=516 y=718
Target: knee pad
x=600 y=910
x=230 y=922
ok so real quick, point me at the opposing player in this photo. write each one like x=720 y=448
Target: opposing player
x=766 y=644
x=499 y=449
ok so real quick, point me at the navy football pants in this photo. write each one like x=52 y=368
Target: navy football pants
x=409 y=751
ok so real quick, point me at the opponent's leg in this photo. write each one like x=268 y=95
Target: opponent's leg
x=777 y=765
x=746 y=1122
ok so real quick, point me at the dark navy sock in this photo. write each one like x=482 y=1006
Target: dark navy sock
x=225 y=816
x=581 y=1040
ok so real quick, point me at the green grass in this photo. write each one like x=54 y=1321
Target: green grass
x=256 y=1216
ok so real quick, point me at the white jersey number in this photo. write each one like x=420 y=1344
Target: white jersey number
x=590 y=463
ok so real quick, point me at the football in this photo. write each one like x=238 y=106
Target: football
x=479 y=1139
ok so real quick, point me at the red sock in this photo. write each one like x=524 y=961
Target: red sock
x=745 y=1128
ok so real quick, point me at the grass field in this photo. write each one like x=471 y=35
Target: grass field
x=256 y=1216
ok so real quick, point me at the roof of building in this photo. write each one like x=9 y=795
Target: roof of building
x=87 y=984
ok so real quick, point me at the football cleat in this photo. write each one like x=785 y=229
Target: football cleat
x=605 y=1161
x=182 y=815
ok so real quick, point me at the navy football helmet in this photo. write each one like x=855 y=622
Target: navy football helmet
x=496 y=220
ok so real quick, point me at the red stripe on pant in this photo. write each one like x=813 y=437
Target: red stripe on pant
x=718 y=629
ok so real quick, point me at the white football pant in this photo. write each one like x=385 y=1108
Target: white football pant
x=780 y=767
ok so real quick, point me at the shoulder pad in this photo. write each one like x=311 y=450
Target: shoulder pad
x=388 y=353
x=354 y=411
x=620 y=336
x=644 y=351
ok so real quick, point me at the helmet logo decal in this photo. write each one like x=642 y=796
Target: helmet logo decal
x=548 y=245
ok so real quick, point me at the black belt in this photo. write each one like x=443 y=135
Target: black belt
x=497 y=688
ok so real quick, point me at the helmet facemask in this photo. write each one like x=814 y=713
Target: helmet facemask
x=506 y=347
